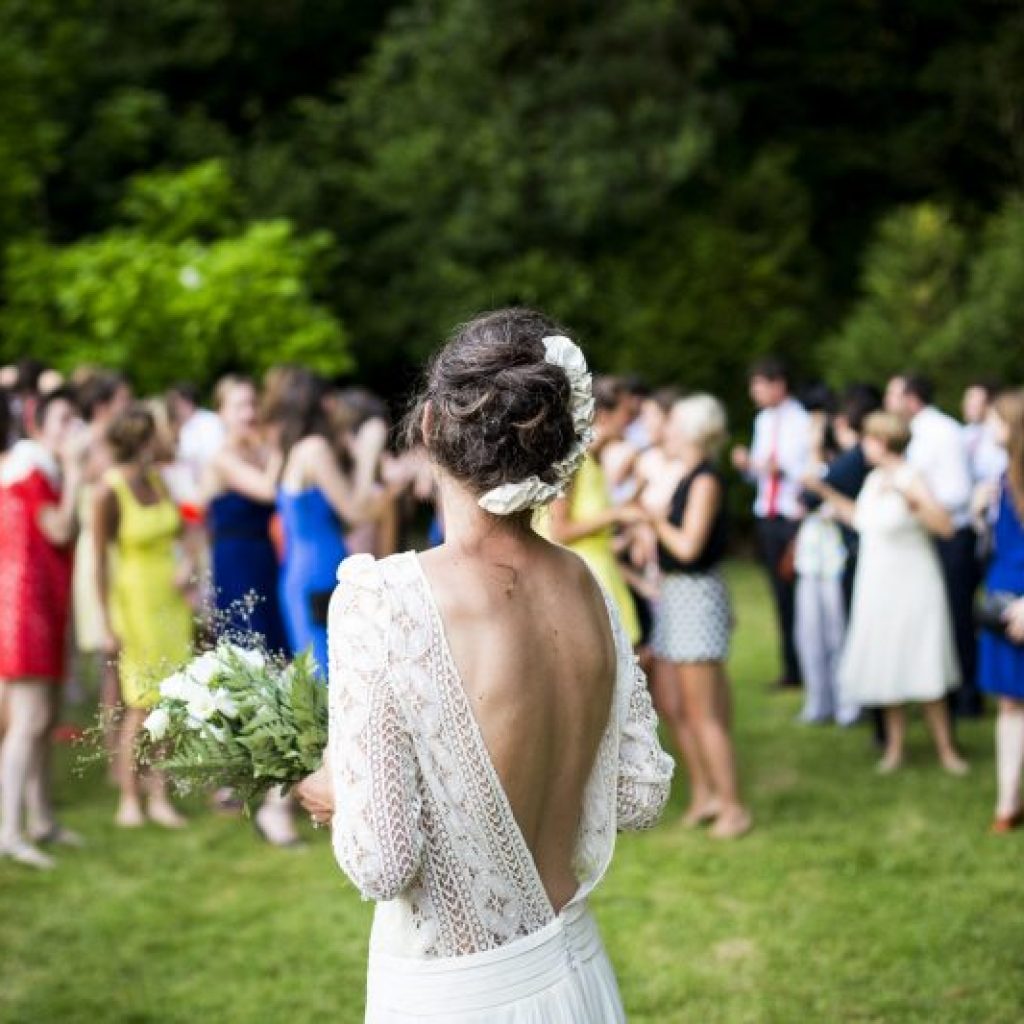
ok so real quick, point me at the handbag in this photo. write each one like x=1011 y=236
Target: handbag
x=990 y=610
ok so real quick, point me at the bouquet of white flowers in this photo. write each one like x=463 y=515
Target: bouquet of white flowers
x=234 y=717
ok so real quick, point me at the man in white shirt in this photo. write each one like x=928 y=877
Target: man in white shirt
x=776 y=462
x=937 y=450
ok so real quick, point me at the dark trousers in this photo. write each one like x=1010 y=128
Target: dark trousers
x=773 y=537
x=960 y=572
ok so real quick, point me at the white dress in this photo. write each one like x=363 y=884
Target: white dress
x=899 y=647
x=464 y=931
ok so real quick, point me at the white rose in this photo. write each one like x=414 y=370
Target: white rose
x=224 y=703
x=178 y=687
x=202 y=705
x=205 y=668
x=157 y=723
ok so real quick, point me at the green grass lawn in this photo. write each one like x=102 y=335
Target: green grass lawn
x=856 y=898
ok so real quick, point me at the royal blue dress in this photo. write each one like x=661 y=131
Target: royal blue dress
x=1001 y=663
x=245 y=570
x=314 y=547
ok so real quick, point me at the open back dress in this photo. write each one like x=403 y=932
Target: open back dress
x=464 y=931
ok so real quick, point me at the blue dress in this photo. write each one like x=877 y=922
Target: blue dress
x=314 y=547
x=1001 y=663
x=244 y=563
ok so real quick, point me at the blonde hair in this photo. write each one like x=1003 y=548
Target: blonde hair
x=892 y=430
x=702 y=420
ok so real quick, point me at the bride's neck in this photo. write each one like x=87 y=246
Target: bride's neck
x=473 y=532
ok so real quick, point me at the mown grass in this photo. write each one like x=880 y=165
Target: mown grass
x=857 y=899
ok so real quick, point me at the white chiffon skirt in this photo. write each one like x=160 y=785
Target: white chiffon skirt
x=558 y=975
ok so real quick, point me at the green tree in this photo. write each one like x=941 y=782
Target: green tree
x=911 y=283
x=501 y=151
x=985 y=334
x=164 y=304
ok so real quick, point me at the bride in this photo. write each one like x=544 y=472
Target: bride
x=490 y=730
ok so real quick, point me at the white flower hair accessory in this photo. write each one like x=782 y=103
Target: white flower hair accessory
x=533 y=492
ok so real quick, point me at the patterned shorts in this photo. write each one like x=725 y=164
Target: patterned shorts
x=692 y=618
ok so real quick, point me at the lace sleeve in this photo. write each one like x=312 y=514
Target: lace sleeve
x=376 y=836
x=645 y=770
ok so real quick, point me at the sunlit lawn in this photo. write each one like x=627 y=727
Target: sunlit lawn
x=856 y=899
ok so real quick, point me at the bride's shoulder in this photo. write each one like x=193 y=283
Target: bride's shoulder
x=367 y=571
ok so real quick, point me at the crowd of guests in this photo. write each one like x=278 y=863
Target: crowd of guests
x=132 y=530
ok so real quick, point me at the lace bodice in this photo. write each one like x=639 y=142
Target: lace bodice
x=421 y=822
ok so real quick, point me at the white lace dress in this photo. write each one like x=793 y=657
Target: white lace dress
x=464 y=931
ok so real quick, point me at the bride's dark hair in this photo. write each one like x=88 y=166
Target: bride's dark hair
x=499 y=412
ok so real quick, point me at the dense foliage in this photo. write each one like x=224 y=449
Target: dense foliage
x=686 y=184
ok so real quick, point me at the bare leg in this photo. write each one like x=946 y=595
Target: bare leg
x=111 y=712
x=667 y=686
x=275 y=820
x=936 y=714
x=895 y=730
x=21 y=759
x=160 y=809
x=1009 y=756
x=129 y=813
x=703 y=704
x=38 y=802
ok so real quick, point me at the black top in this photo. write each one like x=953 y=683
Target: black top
x=718 y=536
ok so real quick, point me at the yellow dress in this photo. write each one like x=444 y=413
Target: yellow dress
x=150 y=615
x=588 y=499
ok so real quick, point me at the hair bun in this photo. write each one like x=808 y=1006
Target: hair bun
x=501 y=412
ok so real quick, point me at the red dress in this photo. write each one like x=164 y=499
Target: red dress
x=35 y=575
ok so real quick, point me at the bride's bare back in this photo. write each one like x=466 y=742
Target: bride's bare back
x=529 y=633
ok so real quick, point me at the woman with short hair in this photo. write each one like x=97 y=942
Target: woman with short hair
x=693 y=616
x=899 y=646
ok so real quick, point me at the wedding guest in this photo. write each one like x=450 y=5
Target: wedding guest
x=238 y=489
x=585 y=519
x=38 y=496
x=693 y=617
x=1001 y=657
x=899 y=648
x=937 y=452
x=820 y=561
x=846 y=474
x=147 y=621
x=986 y=458
x=776 y=462
x=101 y=396
x=315 y=498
